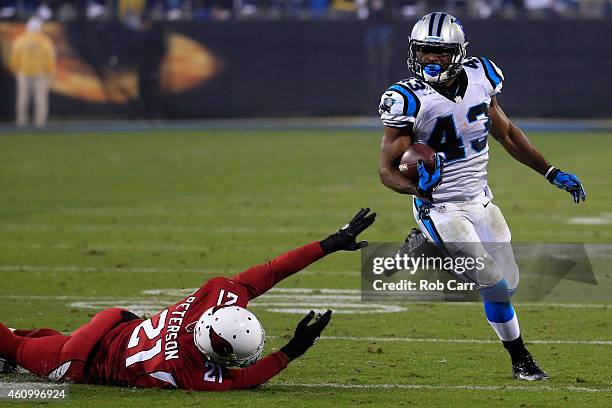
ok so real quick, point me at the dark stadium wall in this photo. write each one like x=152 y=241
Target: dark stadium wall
x=553 y=68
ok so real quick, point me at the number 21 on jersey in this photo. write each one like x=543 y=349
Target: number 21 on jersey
x=151 y=332
x=147 y=332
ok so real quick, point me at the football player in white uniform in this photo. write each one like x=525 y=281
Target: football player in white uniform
x=450 y=104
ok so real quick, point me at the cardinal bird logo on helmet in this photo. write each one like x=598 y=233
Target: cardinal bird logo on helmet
x=219 y=345
x=230 y=336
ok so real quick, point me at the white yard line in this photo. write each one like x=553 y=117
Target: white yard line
x=469 y=341
x=468 y=387
x=236 y=210
x=440 y=387
x=154 y=246
x=30 y=384
x=162 y=228
x=30 y=268
x=90 y=269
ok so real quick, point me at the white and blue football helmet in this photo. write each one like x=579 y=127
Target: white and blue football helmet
x=441 y=33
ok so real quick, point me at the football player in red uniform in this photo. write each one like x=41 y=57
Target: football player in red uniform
x=190 y=345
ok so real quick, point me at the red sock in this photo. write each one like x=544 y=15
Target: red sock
x=8 y=343
x=46 y=353
x=36 y=333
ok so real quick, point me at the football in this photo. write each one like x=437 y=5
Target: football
x=408 y=161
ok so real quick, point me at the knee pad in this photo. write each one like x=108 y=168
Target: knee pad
x=499 y=312
x=497 y=293
x=498 y=308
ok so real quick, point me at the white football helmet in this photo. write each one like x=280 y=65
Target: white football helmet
x=230 y=336
x=439 y=33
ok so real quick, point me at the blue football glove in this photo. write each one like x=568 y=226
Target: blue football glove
x=568 y=182
x=429 y=181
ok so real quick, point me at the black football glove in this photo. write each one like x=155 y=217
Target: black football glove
x=345 y=238
x=305 y=336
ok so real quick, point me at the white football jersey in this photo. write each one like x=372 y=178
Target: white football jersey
x=456 y=128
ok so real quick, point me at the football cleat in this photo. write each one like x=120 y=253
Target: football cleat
x=415 y=245
x=6 y=367
x=527 y=369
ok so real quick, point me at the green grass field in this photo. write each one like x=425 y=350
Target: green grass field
x=96 y=219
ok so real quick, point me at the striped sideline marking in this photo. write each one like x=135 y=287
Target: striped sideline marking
x=439 y=387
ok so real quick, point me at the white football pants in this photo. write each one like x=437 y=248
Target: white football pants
x=476 y=229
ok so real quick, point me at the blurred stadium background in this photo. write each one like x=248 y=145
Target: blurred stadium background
x=137 y=59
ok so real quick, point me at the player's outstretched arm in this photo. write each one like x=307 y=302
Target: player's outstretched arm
x=394 y=143
x=521 y=149
x=259 y=279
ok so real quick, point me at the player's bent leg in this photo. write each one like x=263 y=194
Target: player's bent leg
x=502 y=318
x=495 y=234
x=75 y=353
x=37 y=355
x=37 y=333
x=494 y=231
x=503 y=255
x=450 y=229
x=500 y=313
x=10 y=365
x=41 y=355
x=59 y=357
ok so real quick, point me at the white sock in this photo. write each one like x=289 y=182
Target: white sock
x=507 y=331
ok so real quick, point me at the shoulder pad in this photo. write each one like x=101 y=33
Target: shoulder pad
x=491 y=72
x=407 y=96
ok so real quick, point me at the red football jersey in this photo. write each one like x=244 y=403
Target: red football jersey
x=161 y=352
